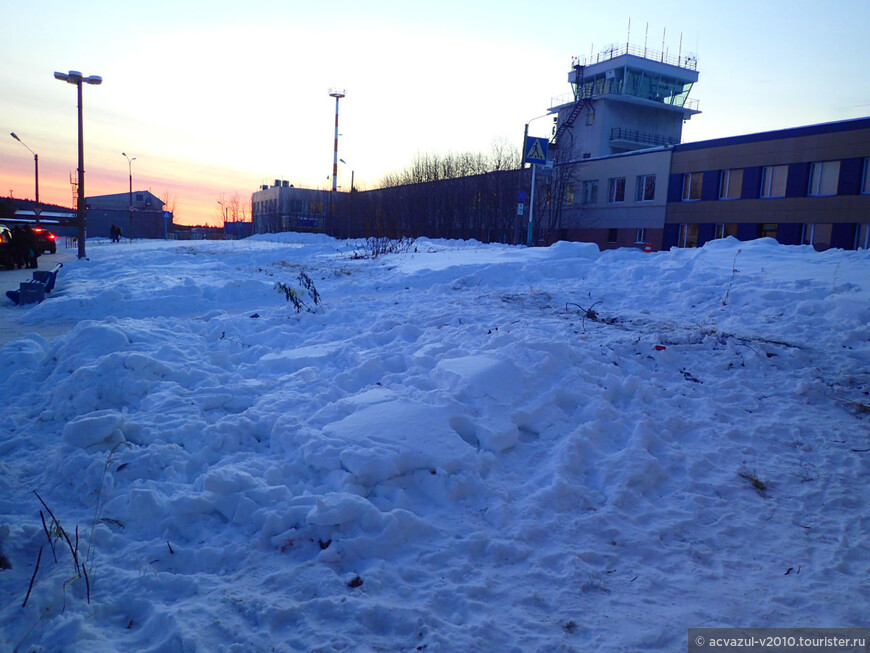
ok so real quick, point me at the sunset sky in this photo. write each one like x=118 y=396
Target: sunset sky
x=218 y=97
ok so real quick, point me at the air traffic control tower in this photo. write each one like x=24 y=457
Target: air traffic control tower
x=624 y=98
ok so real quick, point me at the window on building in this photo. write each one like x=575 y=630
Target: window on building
x=640 y=236
x=646 y=188
x=612 y=235
x=617 y=189
x=823 y=235
x=590 y=192
x=768 y=231
x=569 y=193
x=824 y=176
x=139 y=197
x=862 y=234
x=724 y=230
x=773 y=180
x=692 y=183
x=688 y=235
x=865 y=179
x=817 y=235
x=730 y=184
x=590 y=117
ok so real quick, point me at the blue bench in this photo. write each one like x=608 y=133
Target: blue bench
x=34 y=291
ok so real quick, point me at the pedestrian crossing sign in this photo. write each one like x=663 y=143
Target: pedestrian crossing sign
x=536 y=150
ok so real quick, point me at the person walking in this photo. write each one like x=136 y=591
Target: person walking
x=31 y=247
x=19 y=246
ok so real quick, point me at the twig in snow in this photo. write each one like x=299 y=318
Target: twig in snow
x=33 y=578
x=46 y=507
x=87 y=582
x=587 y=312
x=734 y=271
x=759 y=485
x=48 y=535
x=72 y=550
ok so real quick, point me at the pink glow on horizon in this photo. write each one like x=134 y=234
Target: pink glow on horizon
x=195 y=195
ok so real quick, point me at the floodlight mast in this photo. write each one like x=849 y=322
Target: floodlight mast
x=75 y=77
x=337 y=93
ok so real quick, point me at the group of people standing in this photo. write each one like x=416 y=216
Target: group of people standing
x=25 y=247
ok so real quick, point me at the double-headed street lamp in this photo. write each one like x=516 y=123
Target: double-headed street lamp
x=130 y=169
x=35 y=171
x=76 y=78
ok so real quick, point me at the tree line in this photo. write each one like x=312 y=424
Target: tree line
x=464 y=196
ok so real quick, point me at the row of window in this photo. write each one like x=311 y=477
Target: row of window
x=824 y=177
x=639 y=236
x=645 y=191
x=817 y=234
x=296 y=207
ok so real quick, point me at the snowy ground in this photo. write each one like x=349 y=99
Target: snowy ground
x=445 y=455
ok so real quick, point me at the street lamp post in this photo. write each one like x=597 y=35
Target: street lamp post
x=130 y=169
x=351 y=199
x=35 y=172
x=76 y=78
x=529 y=235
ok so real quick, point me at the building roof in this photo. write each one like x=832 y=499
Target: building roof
x=102 y=201
x=791 y=132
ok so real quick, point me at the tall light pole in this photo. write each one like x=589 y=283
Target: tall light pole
x=76 y=78
x=35 y=172
x=337 y=93
x=351 y=199
x=130 y=169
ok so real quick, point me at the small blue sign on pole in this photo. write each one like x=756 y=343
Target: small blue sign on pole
x=536 y=150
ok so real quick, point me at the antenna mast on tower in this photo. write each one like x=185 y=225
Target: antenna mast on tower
x=75 y=187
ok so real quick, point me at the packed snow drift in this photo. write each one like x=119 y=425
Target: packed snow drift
x=286 y=444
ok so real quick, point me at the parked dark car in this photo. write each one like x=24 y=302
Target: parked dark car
x=47 y=240
x=7 y=256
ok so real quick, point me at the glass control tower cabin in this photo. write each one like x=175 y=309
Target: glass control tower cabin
x=625 y=98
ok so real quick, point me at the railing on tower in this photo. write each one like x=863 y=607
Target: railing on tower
x=688 y=61
x=635 y=136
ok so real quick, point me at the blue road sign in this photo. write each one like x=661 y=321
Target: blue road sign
x=522 y=196
x=536 y=150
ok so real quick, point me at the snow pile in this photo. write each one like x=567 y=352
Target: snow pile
x=464 y=447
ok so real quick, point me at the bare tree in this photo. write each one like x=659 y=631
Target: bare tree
x=238 y=209
x=437 y=167
x=170 y=203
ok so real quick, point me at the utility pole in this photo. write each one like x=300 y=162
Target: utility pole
x=130 y=169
